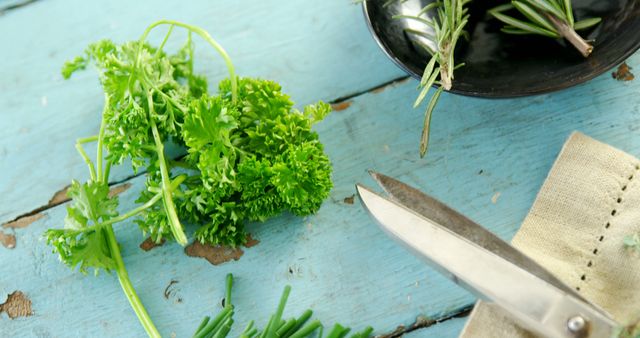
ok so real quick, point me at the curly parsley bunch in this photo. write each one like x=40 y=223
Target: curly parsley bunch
x=249 y=154
x=247 y=160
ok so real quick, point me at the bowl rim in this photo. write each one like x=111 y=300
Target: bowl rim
x=552 y=88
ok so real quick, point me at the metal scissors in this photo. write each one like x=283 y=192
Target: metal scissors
x=484 y=264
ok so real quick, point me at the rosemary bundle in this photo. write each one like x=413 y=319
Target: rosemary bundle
x=444 y=23
x=551 y=18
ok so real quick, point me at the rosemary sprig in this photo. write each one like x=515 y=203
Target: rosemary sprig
x=443 y=30
x=551 y=18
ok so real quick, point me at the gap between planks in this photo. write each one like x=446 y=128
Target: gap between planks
x=336 y=104
x=424 y=322
x=15 y=5
x=54 y=202
x=377 y=89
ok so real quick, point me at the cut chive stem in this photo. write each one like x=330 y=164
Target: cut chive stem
x=224 y=329
x=336 y=331
x=223 y=322
x=285 y=327
x=277 y=317
x=265 y=332
x=304 y=317
x=204 y=322
x=248 y=328
x=212 y=323
x=220 y=325
x=227 y=296
x=307 y=330
x=252 y=333
x=298 y=323
x=344 y=332
x=366 y=332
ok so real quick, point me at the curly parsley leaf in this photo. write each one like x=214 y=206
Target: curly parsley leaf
x=83 y=242
x=256 y=157
x=302 y=178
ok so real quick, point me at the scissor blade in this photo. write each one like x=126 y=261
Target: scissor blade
x=459 y=224
x=538 y=305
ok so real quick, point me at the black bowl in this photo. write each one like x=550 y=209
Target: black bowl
x=503 y=65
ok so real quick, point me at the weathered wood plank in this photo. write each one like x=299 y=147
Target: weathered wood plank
x=316 y=49
x=447 y=329
x=8 y=5
x=320 y=256
x=488 y=159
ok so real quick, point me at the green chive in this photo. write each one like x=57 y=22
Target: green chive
x=227 y=296
x=299 y=323
x=307 y=330
x=213 y=323
x=285 y=327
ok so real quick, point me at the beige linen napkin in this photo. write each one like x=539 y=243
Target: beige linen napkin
x=589 y=202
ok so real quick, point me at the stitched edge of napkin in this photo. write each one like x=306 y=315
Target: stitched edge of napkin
x=589 y=201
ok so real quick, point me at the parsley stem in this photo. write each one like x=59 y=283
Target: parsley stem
x=149 y=83
x=121 y=271
x=87 y=160
x=107 y=170
x=122 y=217
x=133 y=212
x=100 y=174
x=190 y=43
x=164 y=41
x=180 y=164
x=128 y=289
x=176 y=182
x=87 y=139
x=205 y=35
x=176 y=227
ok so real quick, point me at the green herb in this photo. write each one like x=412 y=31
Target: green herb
x=256 y=158
x=630 y=331
x=277 y=327
x=632 y=242
x=443 y=30
x=250 y=155
x=551 y=18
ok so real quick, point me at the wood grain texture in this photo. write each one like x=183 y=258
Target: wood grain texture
x=317 y=50
x=320 y=256
x=448 y=329
x=338 y=261
x=488 y=159
x=9 y=5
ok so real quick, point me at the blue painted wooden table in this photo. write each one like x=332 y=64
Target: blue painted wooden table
x=488 y=159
